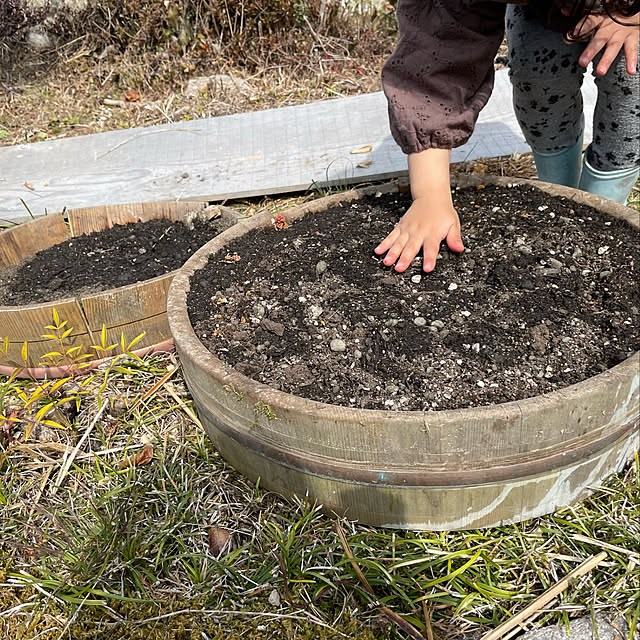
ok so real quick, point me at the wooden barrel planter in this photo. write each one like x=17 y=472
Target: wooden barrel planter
x=433 y=470
x=129 y=310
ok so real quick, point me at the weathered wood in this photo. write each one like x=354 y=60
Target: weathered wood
x=28 y=323
x=249 y=154
x=133 y=303
x=26 y=239
x=90 y=219
x=434 y=470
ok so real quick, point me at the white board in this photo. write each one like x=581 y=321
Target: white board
x=262 y=152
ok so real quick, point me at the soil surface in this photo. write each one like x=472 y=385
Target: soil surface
x=105 y=259
x=545 y=295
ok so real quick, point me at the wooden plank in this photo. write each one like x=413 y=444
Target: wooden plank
x=127 y=305
x=27 y=239
x=90 y=219
x=38 y=348
x=155 y=328
x=264 y=152
x=28 y=323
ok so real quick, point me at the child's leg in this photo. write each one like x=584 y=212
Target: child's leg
x=612 y=160
x=546 y=80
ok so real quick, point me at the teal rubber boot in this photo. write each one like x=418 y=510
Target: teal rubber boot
x=613 y=185
x=560 y=167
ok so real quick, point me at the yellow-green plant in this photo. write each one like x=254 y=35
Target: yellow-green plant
x=35 y=401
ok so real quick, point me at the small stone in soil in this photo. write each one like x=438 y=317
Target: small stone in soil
x=338 y=345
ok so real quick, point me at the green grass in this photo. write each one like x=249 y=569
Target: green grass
x=114 y=548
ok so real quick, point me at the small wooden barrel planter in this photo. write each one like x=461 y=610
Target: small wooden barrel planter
x=128 y=310
x=435 y=470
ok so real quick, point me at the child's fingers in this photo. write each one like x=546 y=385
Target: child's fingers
x=610 y=53
x=631 y=54
x=454 y=239
x=395 y=250
x=430 y=250
x=409 y=252
x=387 y=242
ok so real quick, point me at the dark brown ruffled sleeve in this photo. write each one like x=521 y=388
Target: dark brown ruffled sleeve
x=441 y=73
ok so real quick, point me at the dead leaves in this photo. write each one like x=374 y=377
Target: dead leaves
x=141 y=458
x=219 y=539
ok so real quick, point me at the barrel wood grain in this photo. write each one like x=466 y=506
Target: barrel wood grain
x=27 y=239
x=90 y=219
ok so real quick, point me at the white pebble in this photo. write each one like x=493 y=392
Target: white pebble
x=420 y=321
x=338 y=345
x=602 y=250
x=480 y=383
x=453 y=286
x=416 y=278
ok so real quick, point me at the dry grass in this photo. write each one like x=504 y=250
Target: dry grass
x=106 y=81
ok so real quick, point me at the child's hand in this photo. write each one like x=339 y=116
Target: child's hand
x=427 y=222
x=611 y=36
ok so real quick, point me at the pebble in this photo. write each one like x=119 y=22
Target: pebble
x=274 y=598
x=604 y=274
x=420 y=321
x=603 y=250
x=480 y=383
x=453 y=286
x=321 y=267
x=525 y=249
x=315 y=311
x=556 y=264
x=357 y=354
x=527 y=284
x=338 y=345
x=438 y=324
x=416 y=279
x=550 y=272
x=577 y=253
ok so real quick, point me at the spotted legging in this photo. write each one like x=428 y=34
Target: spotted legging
x=546 y=80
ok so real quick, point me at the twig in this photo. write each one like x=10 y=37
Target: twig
x=427 y=620
x=70 y=458
x=228 y=612
x=153 y=389
x=546 y=597
x=605 y=545
x=401 y=623
x=184 y=407
x=143 y=133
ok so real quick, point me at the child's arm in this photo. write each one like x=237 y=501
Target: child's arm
x=430 y=219
x=436 y=82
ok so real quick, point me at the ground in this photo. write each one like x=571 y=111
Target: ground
x=115 y=503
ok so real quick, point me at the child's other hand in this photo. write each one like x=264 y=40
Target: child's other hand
x=425 y=224
x=610 y=36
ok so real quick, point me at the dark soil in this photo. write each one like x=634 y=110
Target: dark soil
x=546 y=295
x=105 y=259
